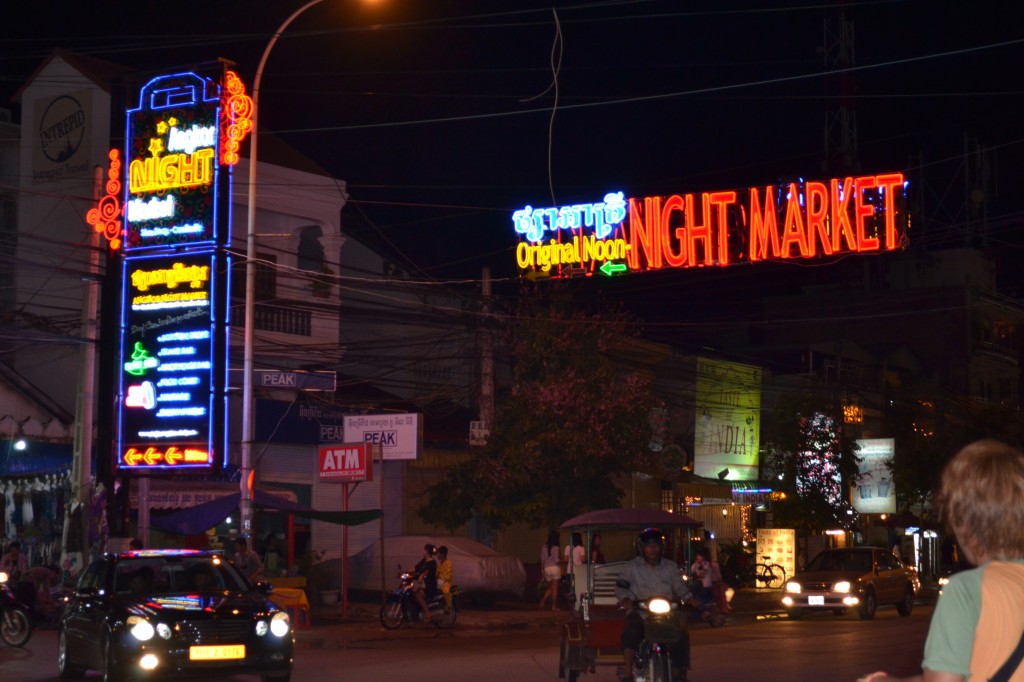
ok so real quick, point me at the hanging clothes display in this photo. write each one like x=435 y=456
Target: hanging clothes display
x=32 y=514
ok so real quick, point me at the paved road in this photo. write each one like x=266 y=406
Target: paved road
x=820 y=647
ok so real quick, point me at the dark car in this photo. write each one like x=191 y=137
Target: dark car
x=854 y=577
x=172 y=612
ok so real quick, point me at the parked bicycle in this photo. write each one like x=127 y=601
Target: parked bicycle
x=740 y=570
x=769 y=575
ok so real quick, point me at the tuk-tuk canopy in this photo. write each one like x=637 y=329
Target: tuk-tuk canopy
x=627 y=519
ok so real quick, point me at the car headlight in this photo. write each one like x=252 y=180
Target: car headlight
x=262 y=628
x=793 y=586
x=140 y=628
x=658 y=605
x=280 y=624
x=163 y=630
x=3 y=577
x=841 y=586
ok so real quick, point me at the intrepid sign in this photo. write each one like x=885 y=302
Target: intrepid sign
x=345 y=463
x=775 y=222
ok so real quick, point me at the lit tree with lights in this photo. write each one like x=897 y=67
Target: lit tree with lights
x=816 y=462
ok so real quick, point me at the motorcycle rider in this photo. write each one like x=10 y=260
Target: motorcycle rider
x=645 y=576
x=425 y=572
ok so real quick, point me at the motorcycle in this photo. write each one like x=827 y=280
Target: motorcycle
x=664 y=625
x=714 y=610
x=15 y=623
x=401 y=606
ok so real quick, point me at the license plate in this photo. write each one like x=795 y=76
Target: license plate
x=815 y=600
x=216 y=653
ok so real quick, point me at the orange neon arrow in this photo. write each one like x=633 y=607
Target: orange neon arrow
x=173 y=455
x=132 y=457
x=151 y=456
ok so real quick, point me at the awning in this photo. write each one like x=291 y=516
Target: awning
x=181 y=494
x=197 y=519
x=630 y=519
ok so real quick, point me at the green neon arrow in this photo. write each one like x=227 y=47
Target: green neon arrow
x=611 y=269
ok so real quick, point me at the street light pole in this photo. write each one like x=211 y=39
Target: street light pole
x=248 y=403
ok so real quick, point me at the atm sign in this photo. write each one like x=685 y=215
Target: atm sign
x=345 y=463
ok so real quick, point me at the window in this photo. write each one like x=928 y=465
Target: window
x=311 y=251
x=265 y=285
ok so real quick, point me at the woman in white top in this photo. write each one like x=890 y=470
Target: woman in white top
x=551 y=568
x=576 y=565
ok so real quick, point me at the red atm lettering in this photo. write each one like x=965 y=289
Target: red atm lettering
x=341 y=459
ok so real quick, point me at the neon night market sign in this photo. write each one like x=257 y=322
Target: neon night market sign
x=172 y=193
x=776 y=222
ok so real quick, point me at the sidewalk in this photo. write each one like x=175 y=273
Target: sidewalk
x=361 y=621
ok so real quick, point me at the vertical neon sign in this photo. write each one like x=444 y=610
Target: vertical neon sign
x=174 y=319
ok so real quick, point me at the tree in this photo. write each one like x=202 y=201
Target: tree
x=929 y=431
x=817 y=462
x=573 y=421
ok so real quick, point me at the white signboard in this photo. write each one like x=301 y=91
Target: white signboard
x=727 y=432
x=779 y=545
x=873 y=491
x=400 y=436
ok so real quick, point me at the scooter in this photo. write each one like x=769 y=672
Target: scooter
x=15 y=623
x=401 y=606
x=715 y=609
x=664 y=625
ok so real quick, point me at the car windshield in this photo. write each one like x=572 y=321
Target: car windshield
x=841 y=561
x=175 y=575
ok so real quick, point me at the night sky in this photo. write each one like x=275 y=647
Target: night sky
x=444 y=116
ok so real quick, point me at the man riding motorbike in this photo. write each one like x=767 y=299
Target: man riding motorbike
x=645 y=576
x=426 y=574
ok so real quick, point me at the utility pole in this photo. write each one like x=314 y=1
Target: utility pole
x=486 y=356
x=841 y=117
x=81 y=467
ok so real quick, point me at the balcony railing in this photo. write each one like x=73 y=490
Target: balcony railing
x=283 y=320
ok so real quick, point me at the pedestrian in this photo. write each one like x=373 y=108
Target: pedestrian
x=975 y=632
x=247 y=561
x=596 y=556
x=701 y=575
x=551 y=570
x=576 y=566
x=273 y=558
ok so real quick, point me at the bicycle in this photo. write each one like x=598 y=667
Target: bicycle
x=769 y=575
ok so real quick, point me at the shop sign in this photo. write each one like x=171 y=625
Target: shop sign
x=345 y=463
x=796 y=220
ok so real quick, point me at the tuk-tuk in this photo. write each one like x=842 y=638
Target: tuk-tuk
x=592 y=635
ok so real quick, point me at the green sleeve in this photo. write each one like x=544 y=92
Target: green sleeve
x=951 y=634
